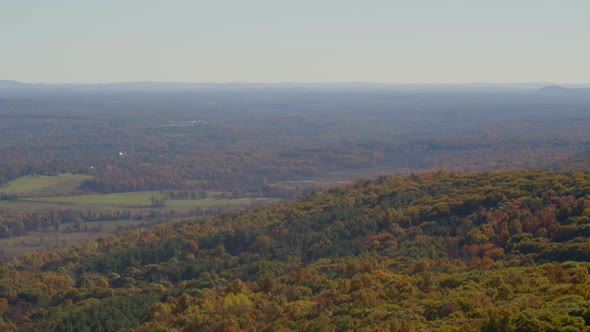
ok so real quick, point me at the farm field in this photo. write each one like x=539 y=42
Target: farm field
x=44 y=185
x=133 y=201
x=38 y=193
x=41 y=240
x=46 y=193
x=130 y=199
x=141 y=199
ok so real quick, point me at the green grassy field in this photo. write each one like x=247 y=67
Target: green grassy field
x=214 y=201
x=43 y=185
x=130 y=199
x=42 y=193
x=140 y=199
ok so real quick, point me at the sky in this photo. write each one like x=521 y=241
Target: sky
x=413 y=41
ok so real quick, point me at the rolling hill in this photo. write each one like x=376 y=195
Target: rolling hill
x=494 y=251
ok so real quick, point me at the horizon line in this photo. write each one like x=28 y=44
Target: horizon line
x=291 y=82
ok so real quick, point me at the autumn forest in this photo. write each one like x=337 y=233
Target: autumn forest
x=285 y=207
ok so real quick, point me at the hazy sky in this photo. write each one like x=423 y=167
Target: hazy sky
x=413 y=41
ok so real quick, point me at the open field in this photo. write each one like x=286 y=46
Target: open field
x=215 y=201
x=43 y=185
x=130 y=199
x=40 y=240
x=41 y=192
x=135 y=202
x=141 y=199
x=44 y=193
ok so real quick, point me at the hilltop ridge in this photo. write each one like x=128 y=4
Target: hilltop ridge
x=488 y=251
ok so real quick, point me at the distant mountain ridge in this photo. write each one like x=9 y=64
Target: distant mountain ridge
x=174 y=85
x=557 y=89
x=10 y=84
x=15 y=88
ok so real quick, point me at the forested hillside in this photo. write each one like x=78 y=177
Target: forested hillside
x=496 y=251
x=82 y=161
